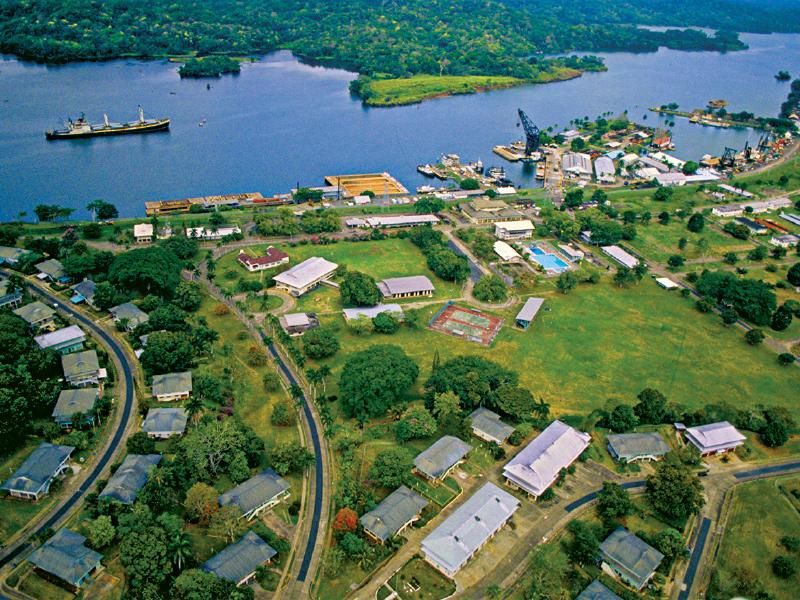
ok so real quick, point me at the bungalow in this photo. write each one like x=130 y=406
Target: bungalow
x=436 y=462
x=82 y=368
x=505 y=252
x=238 y=562
x=305 y=276
x=84 y=292
x=528 y=312
x=298 y=323
x=755 y=227
x=10 y=255
x=143 y=233
x=406 y=287
x=370 y=312
x=70 y=402
x=572 y=253
x=65 y=558
x=163 y=423
x=257 y=494
x=271 y=258
x=536 y=467
x=205 y=235
x=52 y=270
x=487 y=426
x=130 y=477
x=619 y=255
x=10 y=298
x=597 y=591
x=466 y=531
x=396 y=512
x=32 y=479
x=513 y=230
x=715 y=438
x=37 y=314
x=128 y=315
x=785 y=241
x=63 y=341
x=401 y=221
x=630 y=447
x=172 y=387
x=629 y=558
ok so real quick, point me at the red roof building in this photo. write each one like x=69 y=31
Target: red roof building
x=272 y=258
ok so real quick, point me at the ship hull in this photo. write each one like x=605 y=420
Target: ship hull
x=159 y=125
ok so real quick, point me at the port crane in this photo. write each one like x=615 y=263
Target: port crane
x=728 y=158
x=531 y=133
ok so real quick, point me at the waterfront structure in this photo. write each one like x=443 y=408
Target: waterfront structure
x=401 y=221
x=129 y=315
x=632 y=447
x=163 y=423
x=513 y=230
x=130 y=477
x=381 y=184
x=9 y=299
x=172 y=387
x=406 y=287
x=63 y=341
x=715 y=438
x=395 y=512
x=619 y=255
x=65 y=558
x=208 y=234
x=73 y=401
x=437 y=461
x=257 y=494
x=143 y=233
x=370 y=312
x=576 y=163
x=597 y=591
x=271 y=258
x=239 y=562
x=487 y=426
x=298 y=323
x=31 y=481
x=629 y=558
x=37 y=315
x=10 y=255
x=84 y=292
x=52 y=270
x=528 y=312
x=536 y=467
x=82 y=368
x=305 y=276
x=482 y=211
x=450 y=546
x=168 y=207
x=785 y=241
x=505 y=252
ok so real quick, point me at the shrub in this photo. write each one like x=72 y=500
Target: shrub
x=221 y=310
x=786 y=358
x=754 y=337
x=783 y=567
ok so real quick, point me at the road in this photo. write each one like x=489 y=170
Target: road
x=53 y=517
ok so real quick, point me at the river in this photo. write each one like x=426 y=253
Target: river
x=281 y=122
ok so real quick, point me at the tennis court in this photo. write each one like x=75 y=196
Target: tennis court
x=466 y=323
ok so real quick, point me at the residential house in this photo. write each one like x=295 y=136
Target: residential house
x=84 y=292
x=129 y=315
x=271 y=259
x=632 y=447
x=72 y=401
x=143 y=233
x=82 y=368
x=257 y=494
x=130 y=477
x=505 y=252
x=513 y=230
x=10 y=298
x=64 y=340
x=468 y=528
x=65 y=558
x=715 y=438
x=537 y=466
x=37 y=315
x=163 y=423
x=52 y=270
x=210 y=234
x=437 y=461
x=32 y=479
x=10 y=255
x=629 y=558
x=238 y=562
x=172 y=387
x=370 y=312
x=406 y=287
x=619 y=255
x=305 y=276
x=396 y=512
x=597 y=591
x=298 y=323
x=487 y=426
x=528 y=312
x=785 y=241
x=401 y=221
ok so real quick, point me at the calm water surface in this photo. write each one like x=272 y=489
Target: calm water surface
x=281 y=122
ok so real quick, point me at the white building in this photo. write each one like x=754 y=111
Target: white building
x=715 y=438
x=513 y=230
x=505 y=252
x=201 y=233
x=622 y=257
x=577 y=163
x=143 y=233
x=785 y=241
x=604 y=169
x=670 y=179
x=306 y=276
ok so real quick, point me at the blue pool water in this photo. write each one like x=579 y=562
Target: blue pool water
x=550 y=262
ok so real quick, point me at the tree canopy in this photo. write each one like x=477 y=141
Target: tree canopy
x=152 y=270
x=359 y=289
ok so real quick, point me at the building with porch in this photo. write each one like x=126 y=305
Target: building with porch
x=437 y=461
x=257 y=494
x=73 y=401
x=238 y=562
x=66 y=560
x=395 y=512
x=31 y=481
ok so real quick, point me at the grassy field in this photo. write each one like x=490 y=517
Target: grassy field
x=37 y=587
x=759 y=517
x=659 y=242
x=419 y=575
x=410 y=90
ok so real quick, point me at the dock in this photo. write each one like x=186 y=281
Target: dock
x=508 y=153
x=184 y=205
x=381 y=184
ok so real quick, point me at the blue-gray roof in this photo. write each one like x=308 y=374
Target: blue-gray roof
x=255 y=492
x=65 y=556
x=169 y=384
x=627 y=446
x=597 y=591
x=72 y=401
x=489 y=423
x=52 y=267
x=441 y=455
x=397 y=509
x=85 y=288
x=130 y=477
x=79 y=364
x=239 y=560
x=165 y=420
x=635 y=559
x=38 y=469
x=131 y=312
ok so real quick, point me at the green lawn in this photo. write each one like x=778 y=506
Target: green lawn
x=659 y=242
x=38 y=587
x=410 y=90
x=430 y=584
x=759 y=517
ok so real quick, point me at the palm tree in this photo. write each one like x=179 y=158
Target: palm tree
x=296 y=391
x=180 y=546
x=542 y=409
x=193 y=408
x=314 y=377
x=324 y=373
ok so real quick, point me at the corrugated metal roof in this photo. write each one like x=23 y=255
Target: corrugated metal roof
x=131 y=312
x=597 y=591
x=489 y=423
x=397 y=509
x=307 y=272
x=172 y=383
x=38 y=468
x=130 y=477
x=35 y=312
x=622 y=257
x=80 y=363
x=530 y=309
x=73 y=333
x=714 y=435
x=632 y=445
x=405 y=285
x=65 y=556
x=441 y=455
x=636 y=559
x=51 y=267
x=77 y=400
x=296 y=320
x=165 y=420
x=241 y=559
x=370 y=312
x=255 y=492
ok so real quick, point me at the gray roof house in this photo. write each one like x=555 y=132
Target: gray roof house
x=172 y=386
x=258 y=493
x=406 y=287
x=629 y=558
x=84 y=292
x=64 y=340
x=11 y=255
x=130 y=477
x=130 y=314
x=36 y=314
x=436 y=462
x=396 y=512
x=162 y=423
x=630 y=447
x=65 y=557
x=597 y=591
x=72 y=401
x=536 y=467
x=715 y=438
x=488 y=426
x=52 y=269
x=9 y=297
x=528 y=312
x=82 y=368
x=463 y=533
x=305 y=276
x=32 y=479
x=238 y=562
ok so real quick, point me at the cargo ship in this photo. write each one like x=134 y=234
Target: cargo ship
x=81 y=128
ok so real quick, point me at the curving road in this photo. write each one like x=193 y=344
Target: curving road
x=52 y=518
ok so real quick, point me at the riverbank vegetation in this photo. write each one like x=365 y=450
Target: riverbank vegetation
x=209 y=66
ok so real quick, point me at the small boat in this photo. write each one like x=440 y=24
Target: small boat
x=541 y=170
x=426 y=189
x=81 y=128
x=477 y=166
x=427 y=170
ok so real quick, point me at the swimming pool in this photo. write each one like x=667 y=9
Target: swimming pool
x=550 y=262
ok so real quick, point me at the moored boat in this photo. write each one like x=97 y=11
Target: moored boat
x=81 y=128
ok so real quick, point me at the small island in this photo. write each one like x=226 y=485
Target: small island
x=209 y=66
x=783 y=76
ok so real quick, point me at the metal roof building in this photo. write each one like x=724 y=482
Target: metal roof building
x=257 y=493
x=597 y=591
x=619 y=255
x=439 y=459
x=370 y=312
x=632 y=559
x=715 y=438
x=32 y=479
x=463 y=533
x=52 y=269
x=306 y=275
x=132 y=314
x=406 y=287
x=172 y=386
x=398 y=510
x=504 y=251
x=62 y=340
x=165 y=422
x=84 y=292
x=81 y=368
x=604 y=168
x=11 y=255
x=630 y=447
x=528 y=312
x=73 y=401
x=402 y=221
x=488 y=426
x=509 y=230
x=64 y=556
x=238 y=562
x=130 y=477
x=35 y=314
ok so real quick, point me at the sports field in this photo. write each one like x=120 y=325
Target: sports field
x=468 y=323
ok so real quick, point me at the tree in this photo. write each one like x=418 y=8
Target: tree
x=515 y=401
x=429 y=205
x=386 y=322
x=346 y=520
x=664 y=217
x=582 y=549
x=730 y=258
x=187 y=296
x=793 y=275
x=211 y=446
x=737 y=230
x=168 y=352
x=271 y=381
x=754 y=337
x=140 y=443
x=474 y=380
x=207 y=388
x=676 y=260
x=282 y=415
x=470 y=183
x=696 y=223
x=290 y=457
x=447 y=264
x=690 y=167
x=180 y=548
x=622 y=418
x=101 y=532
x=201 y=502
x=92 y=231
x=374 y=379
x=675 y=491
x=663 y=194
x=490 y=288
x=143 y=552
x=783 y=567
x=573 y=198
x=320 y=342
x=758 y=253
x=353 y=546
x=181 y=246
x=446 y=405
x=752 y=299
x=416 y=423
x=359 y=289
x=786 y=358
x=546 y=571
x=566 y=282
x=196 y=584
x=670 y=543
x=391 y=467
x=147 y=270
x=614 y=502
x=226 y=523
x=781 y=318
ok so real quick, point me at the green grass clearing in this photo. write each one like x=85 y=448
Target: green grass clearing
x=417 y=580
